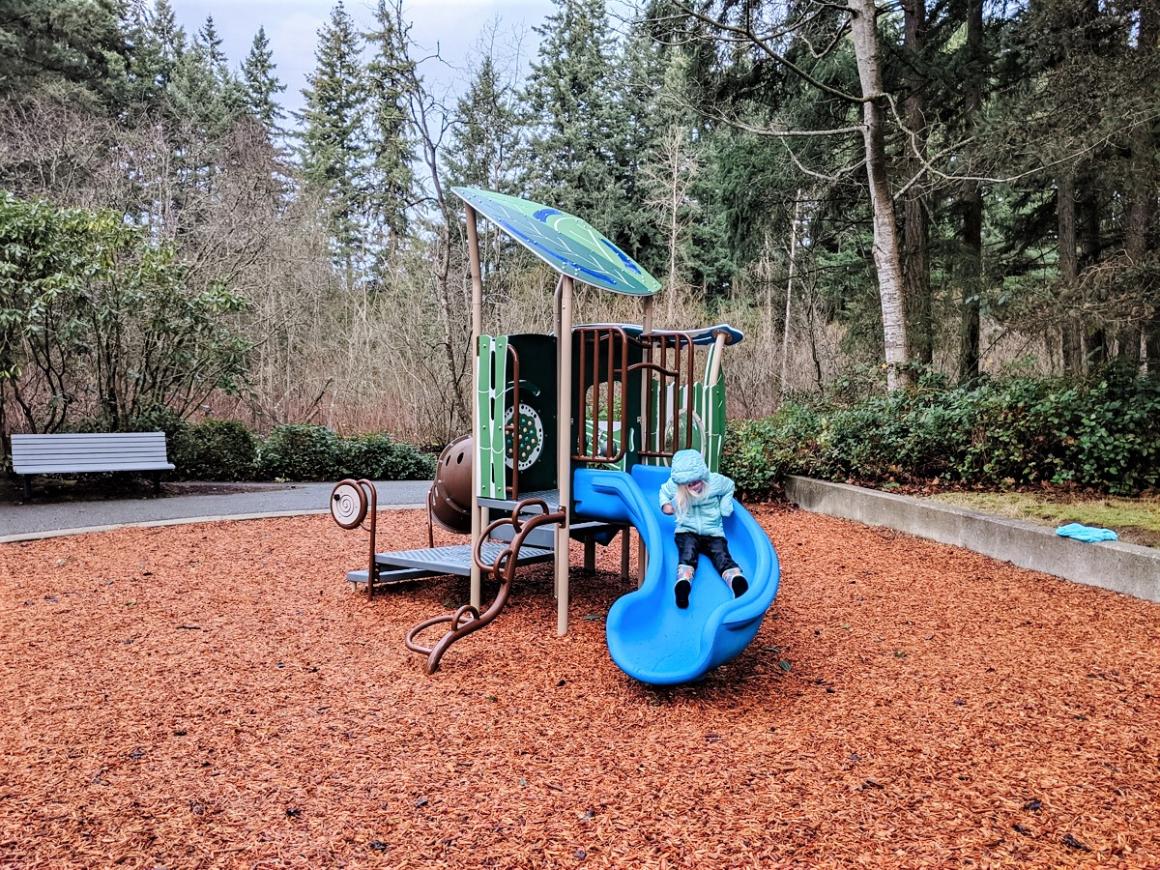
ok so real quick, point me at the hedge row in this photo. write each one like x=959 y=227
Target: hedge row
x=227 y=450
x=1102 y=433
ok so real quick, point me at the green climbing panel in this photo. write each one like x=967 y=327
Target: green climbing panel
x=490 y=444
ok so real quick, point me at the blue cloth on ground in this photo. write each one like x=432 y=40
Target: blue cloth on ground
x=1087 y=534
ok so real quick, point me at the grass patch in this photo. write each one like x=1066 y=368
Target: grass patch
x=1135 y=520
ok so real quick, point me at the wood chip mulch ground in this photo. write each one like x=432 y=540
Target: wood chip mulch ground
x=215 y=695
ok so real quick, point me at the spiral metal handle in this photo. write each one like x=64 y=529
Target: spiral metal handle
x=348 y=504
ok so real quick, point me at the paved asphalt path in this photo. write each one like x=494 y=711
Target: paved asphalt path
x=36 y=519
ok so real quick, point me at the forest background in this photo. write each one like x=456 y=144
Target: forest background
x=887 y=199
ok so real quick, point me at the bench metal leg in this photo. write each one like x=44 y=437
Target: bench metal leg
x=156 y=482
x=26 y=479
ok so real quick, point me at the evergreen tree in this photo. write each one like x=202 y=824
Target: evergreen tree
x=156 y=45
x=332 y=151
x=212 y=43
x=639 y=123
x=194 y=97
x=232 y=95
x=391 y=181
x=261 y=85
x=483 y=151
x=485 y=136
x=204 y=96
x=155 y=41
x=574 y=119
x=670 y=166
x=169 y=34
x=49 y=42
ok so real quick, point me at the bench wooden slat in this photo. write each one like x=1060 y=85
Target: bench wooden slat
x=85 y=440
x=89 y=452
x=76 y=437
x=93 y=452
x=91 y=445
x=92 y=458
x=84 y=448
x=93 y=469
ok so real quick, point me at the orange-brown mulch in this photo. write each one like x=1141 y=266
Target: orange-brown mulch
x=214 y=695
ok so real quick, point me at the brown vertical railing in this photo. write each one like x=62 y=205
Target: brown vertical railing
x=588 y=375
x=654 y=444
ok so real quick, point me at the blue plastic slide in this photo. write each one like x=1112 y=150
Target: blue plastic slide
x=649 y=637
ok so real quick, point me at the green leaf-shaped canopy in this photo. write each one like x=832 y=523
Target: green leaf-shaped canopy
x=569 y=245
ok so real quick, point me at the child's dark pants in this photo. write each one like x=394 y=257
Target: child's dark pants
x=690 y=545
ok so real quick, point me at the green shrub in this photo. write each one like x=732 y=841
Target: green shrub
x=300 y=452
x=215 y=450
x=1101 y=433
x=76 y=285
x=378 y=457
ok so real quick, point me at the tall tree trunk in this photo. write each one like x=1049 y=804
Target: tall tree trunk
x=1142 y=206
x=1088 y=218
x=1140 y=211
x=915 y=222
x=971 y=206
x=793 y=236
x=886 y=251
x=1068 y=268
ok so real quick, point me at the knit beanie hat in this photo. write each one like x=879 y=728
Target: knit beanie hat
x=688 y=466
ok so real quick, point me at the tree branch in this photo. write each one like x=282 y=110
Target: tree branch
x=748 y=33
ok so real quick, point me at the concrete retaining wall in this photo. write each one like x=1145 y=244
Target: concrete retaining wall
x=1120 y=567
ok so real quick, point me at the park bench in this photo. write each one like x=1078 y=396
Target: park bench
x=89 y=452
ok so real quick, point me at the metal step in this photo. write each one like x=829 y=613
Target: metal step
x=399 y=575
x=456 y=559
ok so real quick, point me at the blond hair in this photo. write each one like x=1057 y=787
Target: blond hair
x=681 y=500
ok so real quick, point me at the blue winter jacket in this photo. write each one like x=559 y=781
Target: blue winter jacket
x=704 y=514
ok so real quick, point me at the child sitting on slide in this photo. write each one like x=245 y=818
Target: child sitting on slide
x=699 y=499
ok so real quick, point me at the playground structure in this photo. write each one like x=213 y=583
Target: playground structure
x=572 y=433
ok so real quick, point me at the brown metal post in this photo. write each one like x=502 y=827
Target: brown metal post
x=595 y=387
x=676 y=393
x=581 y=405
x=476 y=331
x=691 y=351
x=647 y=326
x=563 y=451
x=373 y=510
x=609 y=450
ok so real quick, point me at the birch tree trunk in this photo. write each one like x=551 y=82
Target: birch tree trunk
x=886 y=252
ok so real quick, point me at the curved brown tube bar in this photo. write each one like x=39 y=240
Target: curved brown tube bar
x=468 y=619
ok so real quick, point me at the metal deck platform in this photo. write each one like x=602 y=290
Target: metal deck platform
x=507 y=505
x=435 y=561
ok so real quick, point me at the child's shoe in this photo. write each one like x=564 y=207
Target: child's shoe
x=739 y=585
x=683 y=588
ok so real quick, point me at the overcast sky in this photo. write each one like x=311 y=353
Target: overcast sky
x=455 y=27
